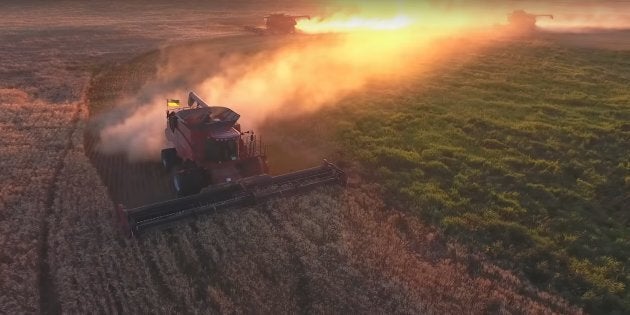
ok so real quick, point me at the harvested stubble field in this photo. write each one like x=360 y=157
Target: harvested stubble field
x=389 y=247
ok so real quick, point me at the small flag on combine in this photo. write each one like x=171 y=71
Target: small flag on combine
x=172 y=103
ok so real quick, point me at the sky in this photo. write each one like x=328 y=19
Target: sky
x=584 y=14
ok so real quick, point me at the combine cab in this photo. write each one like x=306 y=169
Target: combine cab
x=210 y=150
x=278 y=24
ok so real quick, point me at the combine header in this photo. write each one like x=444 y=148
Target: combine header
x=209 y=150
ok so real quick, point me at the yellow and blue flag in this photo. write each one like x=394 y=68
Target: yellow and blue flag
x=172 y=103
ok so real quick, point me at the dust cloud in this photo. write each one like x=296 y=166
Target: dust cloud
x=302 y=74
x=342 y=52
x=140 y=136
x=294 y=79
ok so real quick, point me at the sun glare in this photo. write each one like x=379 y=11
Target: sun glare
x=337 y=24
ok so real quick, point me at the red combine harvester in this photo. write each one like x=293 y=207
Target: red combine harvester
x=209 y=151
x=278 y=23
x=209 y=148
x=525 y=22
x=283 y=23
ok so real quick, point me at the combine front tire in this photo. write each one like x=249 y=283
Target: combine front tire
x=187 y=182
x=169 y=158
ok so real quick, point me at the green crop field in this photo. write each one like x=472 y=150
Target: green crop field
x=522 y=152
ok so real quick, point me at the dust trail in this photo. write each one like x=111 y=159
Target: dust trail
x=296 y=78
x=345 y=50
x=140 y=136
x=303 y=78
x=372 y=41
x=302 y=74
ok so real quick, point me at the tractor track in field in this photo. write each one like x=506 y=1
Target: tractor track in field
x=152 y=260
x=207 y=265
x=302 y=290
x=48 y=299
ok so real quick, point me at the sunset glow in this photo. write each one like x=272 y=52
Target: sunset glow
x=353 y=23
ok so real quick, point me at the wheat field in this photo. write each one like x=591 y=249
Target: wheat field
x=333 y=250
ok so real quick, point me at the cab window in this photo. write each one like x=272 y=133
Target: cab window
x=221 y=151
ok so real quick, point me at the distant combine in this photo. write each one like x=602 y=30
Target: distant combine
x=278 y=24
x=521 y=21
x=209 y=149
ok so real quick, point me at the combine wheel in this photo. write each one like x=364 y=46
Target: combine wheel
x=169 y=158
x=188 y=182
